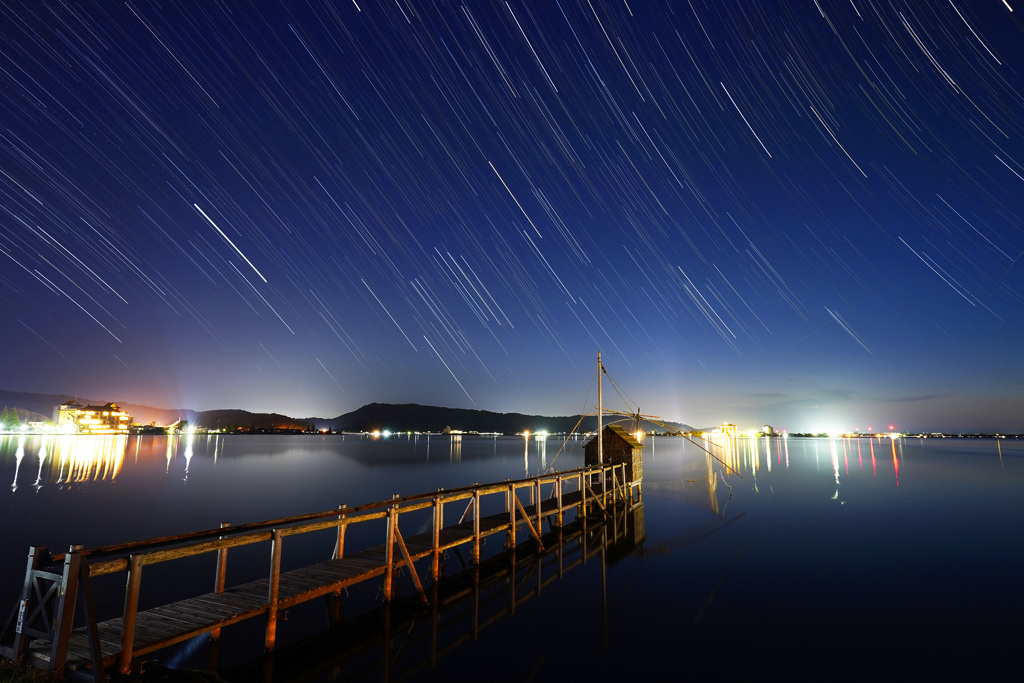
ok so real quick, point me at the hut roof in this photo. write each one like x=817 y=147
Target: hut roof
x=618 y=431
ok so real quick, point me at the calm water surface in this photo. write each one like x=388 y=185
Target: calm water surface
x=812 y=558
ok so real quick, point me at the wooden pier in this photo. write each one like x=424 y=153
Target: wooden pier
x=42 y=632
x=399 y=639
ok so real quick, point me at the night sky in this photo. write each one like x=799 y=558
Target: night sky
x=807 y=214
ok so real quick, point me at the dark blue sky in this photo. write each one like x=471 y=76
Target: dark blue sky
x=806 y=214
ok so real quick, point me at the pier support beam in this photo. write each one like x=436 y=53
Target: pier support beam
x=131 y=609
x=276 y=538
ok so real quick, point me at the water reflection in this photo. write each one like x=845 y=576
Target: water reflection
x=188 y=454
x=694 y=483
x=74 y=459
x=906 y=506
x=37 y=461
x=39 y=474
x=739 y=454
x=66 y=459
x=18 y=457
x=403 y=639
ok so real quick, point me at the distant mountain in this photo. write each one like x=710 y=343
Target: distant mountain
x=399 y=417
x=403 y=417
x=229 y=419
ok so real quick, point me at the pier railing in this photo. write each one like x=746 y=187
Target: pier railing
x=44 y=634
x=399 y=639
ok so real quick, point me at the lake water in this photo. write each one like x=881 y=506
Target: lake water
x=810 y=558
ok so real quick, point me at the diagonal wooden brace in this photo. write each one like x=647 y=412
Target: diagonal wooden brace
x=408 y=563
x=529 y=524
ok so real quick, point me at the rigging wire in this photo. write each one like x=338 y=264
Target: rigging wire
x=572 y=431
x=634 y=414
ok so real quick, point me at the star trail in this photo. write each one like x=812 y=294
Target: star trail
x=804 y=214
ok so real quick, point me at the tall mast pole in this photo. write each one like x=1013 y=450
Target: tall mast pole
x=600 y=407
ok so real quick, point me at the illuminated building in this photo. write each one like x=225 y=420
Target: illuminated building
x=619 y=447
x=106 y=419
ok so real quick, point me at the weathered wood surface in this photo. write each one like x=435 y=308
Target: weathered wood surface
x=123 y=640
x=169 y=624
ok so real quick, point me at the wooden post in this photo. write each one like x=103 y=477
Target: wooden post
x=511 y=508
x=604 y=486
x=558 y=494
x=35 y=555
x=131 y=609
x=583 y=498
x=435 y=568
x=389 y=554
x=65 y=617
x=276 y=539
x=339 y=545
x=536 y=488
x=222 y=564
x=476 y=526
x=222 y=575
x=91 y=624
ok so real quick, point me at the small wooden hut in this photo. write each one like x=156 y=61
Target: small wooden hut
x=619 y=447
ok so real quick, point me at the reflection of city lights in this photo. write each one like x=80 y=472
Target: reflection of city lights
x=42 y=461
x=18 y=456
x=188 y=452
x=89 y=458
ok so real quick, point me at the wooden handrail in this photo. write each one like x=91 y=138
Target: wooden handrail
x=195 y=543
x=132 y=557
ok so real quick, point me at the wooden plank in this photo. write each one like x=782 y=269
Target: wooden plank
x=335 y=574
x=186 y=619
x=177 y=621
x=339 y=573
x=152 y=632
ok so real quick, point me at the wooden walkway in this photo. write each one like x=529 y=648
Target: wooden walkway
x=45 y=637
x=396 y=640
